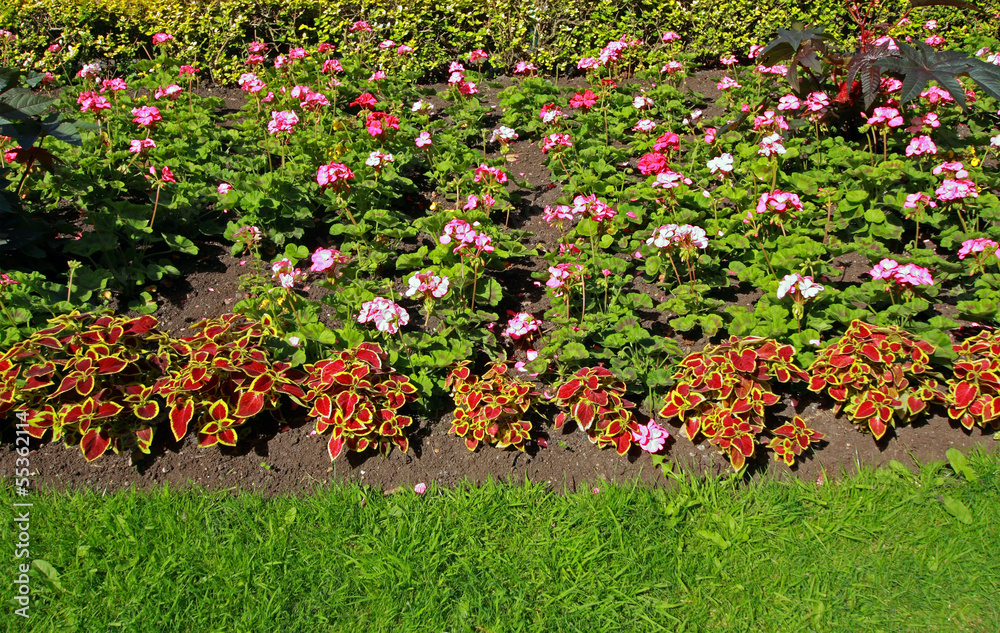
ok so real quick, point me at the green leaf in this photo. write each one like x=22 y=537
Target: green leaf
x=49 y=571
x=855 y=196
x=957 y=509
x=573 y=351
x=715 y=538
x=960 y=464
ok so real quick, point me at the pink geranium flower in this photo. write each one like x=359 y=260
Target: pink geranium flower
x=286 y=273
x=326 y=260
x=650 y=437
x=162 y=38
x=522 y=325
x=335 y=176
x=427 y=285
x=906 y=276
x=282 y=121
x=386 y=315
x=978 y=245
x=956 y=190
x=146 y=116
x=92 y=102
x=921 y=145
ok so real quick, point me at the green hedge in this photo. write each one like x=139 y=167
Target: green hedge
x=552 y=34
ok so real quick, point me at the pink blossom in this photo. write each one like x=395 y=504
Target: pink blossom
x=777 y=69
x=224 y=188
x=588 y=63
x=770 y=145
x=334 y=175
x=458 y=229
x=286 y=273
x=652 y=163
x=935 y=95
x=722 y=164
x=644 y=125
x=282 y=121
x=728 y=60
x=114 y=85
x=332 y=66
x=934 y=40
x=669 y=179
x=777 y=201
x=958 y=169
x=404 y=49
x=361 y=26
x=257 y=47
x=888 y=116
x=146 y=116
x=799 y=287
x=769 y=121
x=89 y=71
x=385 y=45
x=550 y=113
x=598 y=210
x=641 y=102
x=187 y=69
x=789 y=102
x=563 y=274
x=755 y=50
x=553 y=141
x=379 y=160
x=525 y=68
x=365 y=100
x=427 y=285
x=386 y=315
x=888 y=41
x=137 y=146
x=978 y=245
x=890 y=85
x=324 y=47
x=486 y=173
x=478 y=56
x=650 y=437
x=249 y=82
x=420 y=488
x=423 y=139
x=726 y=83
x=918 y=123
x=376 y=76
x=816 y=102
x=907 y=276
x=710 y=135
x=326 y=259
x=921 y=145
x=171 y=92
x=668 y=141
x=915 y=199
x=583 y=100
x=672 y=67
x=670 y=36
x=92 y=102
x=522 y=325
x=162 y=38
x=956 y=190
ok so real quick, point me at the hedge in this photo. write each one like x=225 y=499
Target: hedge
x=553 y=34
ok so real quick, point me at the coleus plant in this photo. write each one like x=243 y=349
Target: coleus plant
x=595 y=399
x=792 y=439
x=876 y=374
x=357 y=397
x=722 y=391
x=224 y=378
x=91 y=379
x=490 y=409
x=974 y=391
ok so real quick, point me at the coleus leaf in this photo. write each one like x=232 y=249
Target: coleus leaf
x=250 y=404
x=180 y=416
x=94 y=443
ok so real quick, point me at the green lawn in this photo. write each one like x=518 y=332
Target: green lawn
x=880 y=551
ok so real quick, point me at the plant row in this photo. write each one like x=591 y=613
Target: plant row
x=549 y=34
x=101 y=381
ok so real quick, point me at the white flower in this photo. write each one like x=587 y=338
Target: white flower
x=995 y=141
x=722 y=163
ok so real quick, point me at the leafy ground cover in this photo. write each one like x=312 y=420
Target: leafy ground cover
x=892 y=549
x=664 y=258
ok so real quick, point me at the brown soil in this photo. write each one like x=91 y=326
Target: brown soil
x=278 y=457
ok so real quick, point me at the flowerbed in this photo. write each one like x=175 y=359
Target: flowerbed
x=341 y=173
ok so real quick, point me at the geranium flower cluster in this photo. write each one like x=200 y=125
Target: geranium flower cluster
x=522 y=325
x=426 y=285
x=92 y=102
x=956 y=190
x=800 y=288
x=650 y=437
x=777 y=201
x=504 y=135
x=769 y=121
x=286 y=273
x=379 y=160
x=668 y=179
x=457 y=78
x=564 y=274
x=334 y=175
x=308 y=98
x=615 y=48
x=326 y=260
x=554 y=141
x=249 y=82
x=172 y=92
x=550 y=113
x=885 y=117
x=146 y=116
x=386 y=315
x=282 y=121
x=470 y=243
x=378 y=124
x=907 y=276
x=597 y=209
x=490 y=174
x=978 y=245
x=684 y=237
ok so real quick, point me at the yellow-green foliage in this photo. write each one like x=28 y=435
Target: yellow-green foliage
x=553 y=34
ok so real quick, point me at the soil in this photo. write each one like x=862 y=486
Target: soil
x=276 y=457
